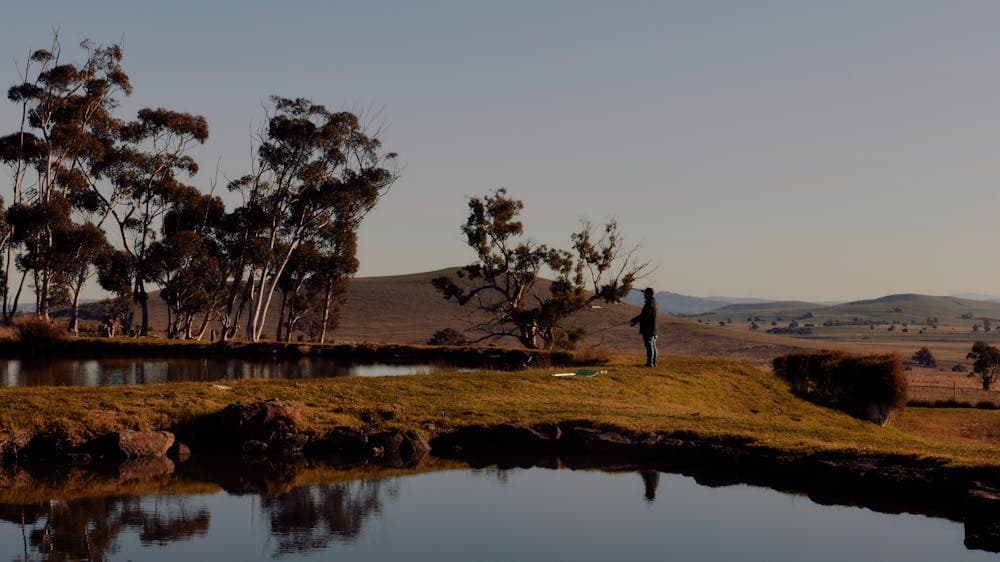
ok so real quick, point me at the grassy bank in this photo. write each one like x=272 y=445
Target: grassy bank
x=709 y=398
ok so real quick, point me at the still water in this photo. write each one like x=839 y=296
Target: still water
x=111 y=372
x=476 y=514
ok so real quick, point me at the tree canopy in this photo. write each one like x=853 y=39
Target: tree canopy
x=93 y=191
x=503 y=284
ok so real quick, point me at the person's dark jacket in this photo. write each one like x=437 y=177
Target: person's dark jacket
x=647 y=318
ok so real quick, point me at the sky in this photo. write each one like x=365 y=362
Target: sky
x=814 y=150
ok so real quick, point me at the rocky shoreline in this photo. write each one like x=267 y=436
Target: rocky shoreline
x=267 y=429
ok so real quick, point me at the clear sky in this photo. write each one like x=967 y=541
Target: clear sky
x=783 y=149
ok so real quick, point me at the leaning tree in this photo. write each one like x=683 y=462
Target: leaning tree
x=316 y=170
x=503 y=284
x=59 y=152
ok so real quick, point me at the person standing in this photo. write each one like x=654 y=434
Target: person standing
x=647 y=325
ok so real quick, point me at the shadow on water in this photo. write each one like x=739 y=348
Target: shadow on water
x=71 y=512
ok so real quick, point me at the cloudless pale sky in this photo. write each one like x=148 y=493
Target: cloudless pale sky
x=780 y=149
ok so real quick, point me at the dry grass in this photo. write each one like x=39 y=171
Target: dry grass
x=712 y=398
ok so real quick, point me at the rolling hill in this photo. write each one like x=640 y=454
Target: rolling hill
x=902 y=307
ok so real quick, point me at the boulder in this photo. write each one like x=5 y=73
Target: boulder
x=143 y=444
x=340 y=441
x=399 y=448
x=266 y=421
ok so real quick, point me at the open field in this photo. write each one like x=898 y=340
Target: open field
x=709 y=398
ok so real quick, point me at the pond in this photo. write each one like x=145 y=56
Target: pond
x=460 y=513
x=119 y=371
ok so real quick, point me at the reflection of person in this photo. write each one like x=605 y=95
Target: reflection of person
x=647 y=326
x=650 y=479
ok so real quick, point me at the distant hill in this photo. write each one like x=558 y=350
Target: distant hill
x=776 y=306
x=919 y=307
x=676 y=303
x=739 y=300
x=978 y=297
x=905 y=307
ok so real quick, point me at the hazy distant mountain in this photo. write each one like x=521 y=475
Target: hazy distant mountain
x=739 y=300
x=676 y=303
x=770 y=306
x=978 y=297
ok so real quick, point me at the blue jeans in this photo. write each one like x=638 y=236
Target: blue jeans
x=650 y=342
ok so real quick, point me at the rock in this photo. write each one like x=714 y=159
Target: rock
x=144 y=444
x=413 y=445
x=79 y=458
x=254 y=447
x=266 y=421
x=399 y=448
x=340 y=441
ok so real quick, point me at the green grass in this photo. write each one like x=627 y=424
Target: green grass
x=712 y=398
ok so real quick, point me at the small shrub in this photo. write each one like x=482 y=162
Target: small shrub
x=447 y=336
x=37 y=334
x=956 y=368
x=866 y=386
x=924 y=358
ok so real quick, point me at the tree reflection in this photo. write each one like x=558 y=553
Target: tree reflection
x=89 y=529
x=311 y=517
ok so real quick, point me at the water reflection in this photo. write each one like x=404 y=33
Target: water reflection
x=441 y=511
x=311 y=517
x=121 y=371
x=89 y=529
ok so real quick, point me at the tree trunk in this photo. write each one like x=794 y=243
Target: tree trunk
x=143 y=299
x=281 y=317
x=327 y=303
x=74 y=317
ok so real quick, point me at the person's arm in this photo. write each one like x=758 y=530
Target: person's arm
x=644 y=313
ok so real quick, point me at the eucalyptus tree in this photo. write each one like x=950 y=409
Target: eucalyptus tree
x=503 y=284
x=57 y=156
x=151 y=155
x=186 y=263
x=314 y=168
x=80 y=249
x=297 y=286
